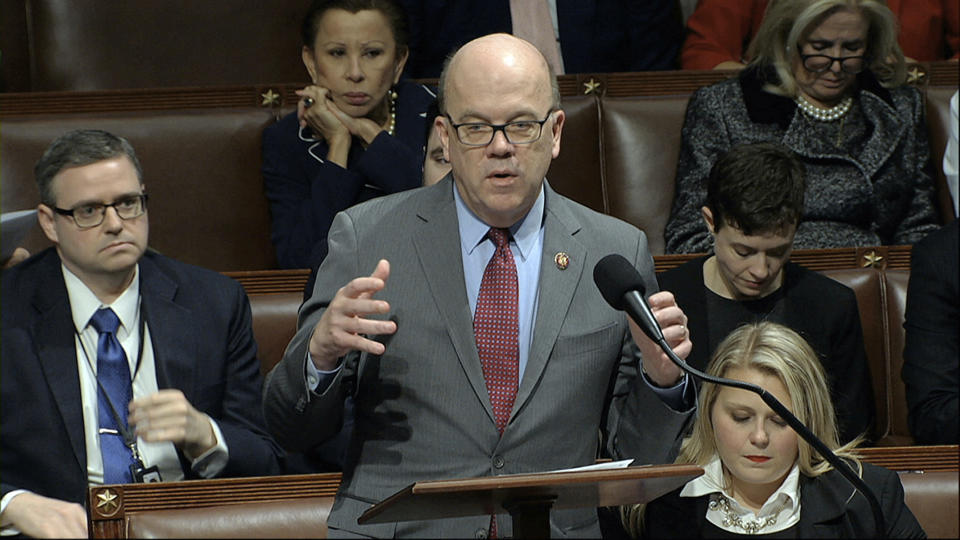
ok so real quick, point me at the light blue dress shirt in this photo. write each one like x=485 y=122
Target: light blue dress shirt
x=526 y=244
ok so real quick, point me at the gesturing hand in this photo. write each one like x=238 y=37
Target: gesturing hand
x=342 y=326
x=168 y=416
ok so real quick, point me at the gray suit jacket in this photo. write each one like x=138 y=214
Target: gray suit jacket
x=422 y=409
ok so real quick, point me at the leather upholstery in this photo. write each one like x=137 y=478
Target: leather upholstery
x=299 y=518
x=881 y=298
x=274 y=324
x=895 y=291
x=640 y=145
x=933 y=498
x=866 y=284
x=575 y=171
x=618 y=156
x=201 y=168
x=95 y=45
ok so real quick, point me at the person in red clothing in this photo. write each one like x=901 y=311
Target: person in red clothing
x=719 y=31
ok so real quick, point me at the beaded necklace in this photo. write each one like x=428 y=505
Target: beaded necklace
x=720 y=503
x=393 y=113
x=824 y=114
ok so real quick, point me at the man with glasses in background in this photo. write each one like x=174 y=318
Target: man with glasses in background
x=479 y=345
x=119 y=364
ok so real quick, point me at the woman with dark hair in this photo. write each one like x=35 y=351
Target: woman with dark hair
x=755 y=196
x=357 y=132
x=826 y=81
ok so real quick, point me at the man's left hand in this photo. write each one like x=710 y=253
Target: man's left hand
x=168 y=416
x=656 y=364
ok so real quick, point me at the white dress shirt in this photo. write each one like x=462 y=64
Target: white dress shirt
x=83 y=304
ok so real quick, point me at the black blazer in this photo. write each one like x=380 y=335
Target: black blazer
x=199 y=323
x=596 y=36
x=930 y=367
x=829 y=508
x=820 y=309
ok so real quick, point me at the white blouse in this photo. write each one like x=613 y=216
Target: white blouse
x=781 y=510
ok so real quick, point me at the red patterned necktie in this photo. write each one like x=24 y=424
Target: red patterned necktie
x=496 y=328
x=497 y=331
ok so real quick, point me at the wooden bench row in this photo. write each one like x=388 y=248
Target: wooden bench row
x=297 y=506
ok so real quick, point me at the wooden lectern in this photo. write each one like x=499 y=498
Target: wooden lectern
x=528 y=498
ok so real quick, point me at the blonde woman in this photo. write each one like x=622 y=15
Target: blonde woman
x=759 y=477
x=825 y=80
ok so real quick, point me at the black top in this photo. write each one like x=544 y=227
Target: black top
x=820 y=309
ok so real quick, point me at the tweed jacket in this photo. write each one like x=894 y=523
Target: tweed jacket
x=868 y=190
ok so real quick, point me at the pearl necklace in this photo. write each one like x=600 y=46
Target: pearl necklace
x=721 y=504
x=824 y=115
x=393 y=113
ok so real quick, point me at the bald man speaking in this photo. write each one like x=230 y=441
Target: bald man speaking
x=474 y=341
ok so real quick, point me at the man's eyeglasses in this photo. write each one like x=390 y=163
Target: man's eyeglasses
x=818 y=63
x=481 y=133
x=91 y=215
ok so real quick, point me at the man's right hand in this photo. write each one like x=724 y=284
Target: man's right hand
x=18 y=256
x=342 y=326
x=43 y=517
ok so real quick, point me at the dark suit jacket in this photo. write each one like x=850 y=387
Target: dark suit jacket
x=820 y=309
x=596 y=36
x=422 y=408
x=199 y=323
x=826 y=509
x=305 y=192
x=930 y=353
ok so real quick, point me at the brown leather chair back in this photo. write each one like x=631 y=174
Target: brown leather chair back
x=641 y=142
x=576 y=172
x=274 y=324
x=201 y=168
x=866 y=284
x=299 y=518
x=895 y=292
x=97 y=45
x=934 y=500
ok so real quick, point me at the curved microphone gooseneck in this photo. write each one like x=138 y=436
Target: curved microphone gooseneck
x=622 y=287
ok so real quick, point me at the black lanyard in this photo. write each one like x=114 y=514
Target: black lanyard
x=123 y=429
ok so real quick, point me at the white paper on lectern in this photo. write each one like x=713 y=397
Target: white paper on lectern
x=14 y=227
x=623 y=464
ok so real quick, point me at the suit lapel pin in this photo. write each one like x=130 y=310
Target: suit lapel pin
x=562 y=260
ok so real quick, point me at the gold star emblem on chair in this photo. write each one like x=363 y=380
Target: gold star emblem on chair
x=107 y=502
x=270 y=98
x=591 y=87
x=872 y=260
x=915 y=75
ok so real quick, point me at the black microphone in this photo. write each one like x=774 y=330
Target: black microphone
x=622 y=287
